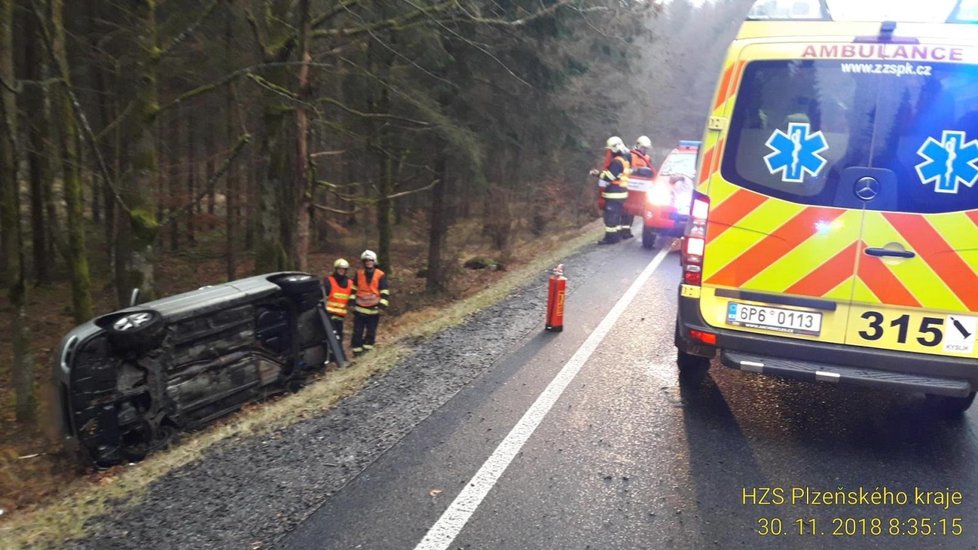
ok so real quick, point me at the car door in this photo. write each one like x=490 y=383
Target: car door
x=783 y=235
x=917 y=274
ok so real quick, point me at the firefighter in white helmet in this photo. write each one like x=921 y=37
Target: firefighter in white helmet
x=371 y=296
x=339 y=291
x=641 y=165
x=613 y=186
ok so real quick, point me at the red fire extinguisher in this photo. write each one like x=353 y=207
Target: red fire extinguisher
x=555 y=300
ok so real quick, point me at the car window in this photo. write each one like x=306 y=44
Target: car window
x=799 y=125
x=679 y=164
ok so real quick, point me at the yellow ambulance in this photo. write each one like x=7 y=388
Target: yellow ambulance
x=833 y=235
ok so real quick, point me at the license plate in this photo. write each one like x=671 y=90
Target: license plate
x=774 y=318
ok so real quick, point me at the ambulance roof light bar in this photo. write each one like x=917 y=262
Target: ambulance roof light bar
x=965 y=11
x=789 y=10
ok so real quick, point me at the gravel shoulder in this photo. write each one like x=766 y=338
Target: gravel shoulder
x=249 y=492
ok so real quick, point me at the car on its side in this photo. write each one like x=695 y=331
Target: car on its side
x=128 y=380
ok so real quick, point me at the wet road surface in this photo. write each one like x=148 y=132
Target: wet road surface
x=626 y=458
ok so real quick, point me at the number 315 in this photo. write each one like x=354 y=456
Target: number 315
x=929 y=330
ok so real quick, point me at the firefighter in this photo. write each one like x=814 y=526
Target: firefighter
x=613 y=183
x=641 y=164
x=339 y=290
x=371 y=296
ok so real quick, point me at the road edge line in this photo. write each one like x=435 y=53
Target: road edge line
x=454 y=519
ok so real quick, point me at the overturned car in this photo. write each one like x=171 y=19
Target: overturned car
x=128 y=380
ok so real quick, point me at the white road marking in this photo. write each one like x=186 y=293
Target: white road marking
x=451 y=522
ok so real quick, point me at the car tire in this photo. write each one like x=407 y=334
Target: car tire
x=297 y=284
x=692 y=368
x=648 y=238
x=135 y=331
x=948 y=406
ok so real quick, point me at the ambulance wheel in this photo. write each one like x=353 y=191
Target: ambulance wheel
x=692 y=368
x=648 y=238
x=949 y=406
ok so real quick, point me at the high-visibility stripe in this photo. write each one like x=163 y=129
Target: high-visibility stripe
x=881 y=281
x=730 y=211
x=934 y=250
x=707 y=161
x=715 y=160
x=774 y=246
x=738 y=75
x=827 y=276
x=958 y=230
x=917 y=275
x=749 y=230
x=974 y=216
x=724 y=83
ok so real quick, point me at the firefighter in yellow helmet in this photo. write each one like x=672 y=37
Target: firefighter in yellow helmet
x=371 y=296
x=613 y=184
x=339 y=290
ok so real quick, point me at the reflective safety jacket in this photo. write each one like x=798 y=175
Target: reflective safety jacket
x=613 y=181
x=371 y=292
x=339 y=294
x=640 y=160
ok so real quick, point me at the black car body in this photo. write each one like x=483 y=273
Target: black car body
x=129 y=379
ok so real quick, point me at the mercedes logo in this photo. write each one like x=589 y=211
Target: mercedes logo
x=867 y=188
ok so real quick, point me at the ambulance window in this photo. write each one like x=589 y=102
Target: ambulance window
x=798 y=125
x=794 y=125
x=926 y=130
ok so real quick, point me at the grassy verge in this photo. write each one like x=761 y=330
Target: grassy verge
x=65 y=518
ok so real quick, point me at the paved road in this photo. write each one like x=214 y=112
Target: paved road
x=626 y=458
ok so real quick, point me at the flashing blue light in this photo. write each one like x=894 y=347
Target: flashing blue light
x=690 y=143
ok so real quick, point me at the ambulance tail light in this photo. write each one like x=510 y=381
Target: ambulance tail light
x=694 y=240
x=707 y=338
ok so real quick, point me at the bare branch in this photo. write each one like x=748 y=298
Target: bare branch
x=340 y=8
x=393 y=22
x=325 y=208
x=209 y=186
x=470 y=42
x=412 y=191
x=188 y=31
x=362 y=114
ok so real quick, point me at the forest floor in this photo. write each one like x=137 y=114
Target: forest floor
x=34 y=472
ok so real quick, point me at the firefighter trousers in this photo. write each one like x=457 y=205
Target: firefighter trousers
x=364 y=332
x=613 y=209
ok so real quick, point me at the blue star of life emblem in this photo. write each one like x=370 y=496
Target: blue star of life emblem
x=796 y=152
x=948 y=163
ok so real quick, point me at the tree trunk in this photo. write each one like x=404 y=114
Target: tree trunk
x=437 y=227
x=191 y=179
x=302 y=204
x=16 y=275
x=143 y=160
x=209 y=154
x=39 y=170
x=231 y=202
x=81 y=284
x=173 y=188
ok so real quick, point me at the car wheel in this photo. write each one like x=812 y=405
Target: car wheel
x=648 y=238
x=949 y=406
x=692 y=368
x=136 y=330
x=297 y=284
